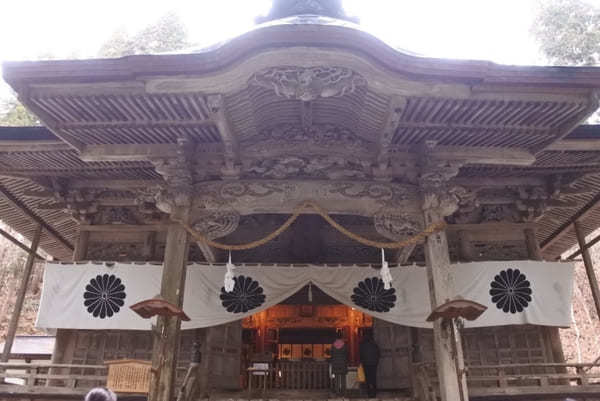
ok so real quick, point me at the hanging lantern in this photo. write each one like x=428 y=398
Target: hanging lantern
x=386 y=275
x=229 y=282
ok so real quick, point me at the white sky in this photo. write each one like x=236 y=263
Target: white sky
x=496 y=30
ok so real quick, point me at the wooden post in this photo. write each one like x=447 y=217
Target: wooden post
x=81 y=247
x=16 y=314
x=589 y=266
x=465 y=247
x=553 y=335
x=149 y=245
x=166 y=340
x=450 y=366
x=533 y=247
x=64 y=343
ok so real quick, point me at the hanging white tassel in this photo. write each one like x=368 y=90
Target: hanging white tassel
x=229 y=282
x=386 y=275
x=310 y=293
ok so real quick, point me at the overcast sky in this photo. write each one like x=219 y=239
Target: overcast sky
x=496 y=30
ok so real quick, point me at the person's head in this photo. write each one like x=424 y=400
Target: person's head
x=100 y=394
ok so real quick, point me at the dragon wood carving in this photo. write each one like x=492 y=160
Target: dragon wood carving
x=307 y=84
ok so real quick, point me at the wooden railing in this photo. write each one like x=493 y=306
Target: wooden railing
x=534 y=378
x=302 y=375
x=522 y=379
x=46 y=378
x=291 y=375
x=52 y=378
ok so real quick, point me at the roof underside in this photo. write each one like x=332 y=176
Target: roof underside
x=295 y=102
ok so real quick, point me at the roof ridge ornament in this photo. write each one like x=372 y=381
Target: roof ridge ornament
x=291 y=8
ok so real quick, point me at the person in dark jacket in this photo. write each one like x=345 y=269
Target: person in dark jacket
x=369 y=357
x=339 y=364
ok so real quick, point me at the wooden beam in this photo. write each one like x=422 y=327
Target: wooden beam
x=124 y=228
x=19 y=243
x=114 y=184
x=495 y=182
x=16 y=313
x=33 y=146
x=589 y=266
x=563 y=229
x=485 y=155
x=17 y=204
x=493 y=232
x=134 y=124
x=124 y=152
x=575 y=145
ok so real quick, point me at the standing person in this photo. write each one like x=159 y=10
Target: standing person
x=100 y=394
x=339 y=363
x=369 y=357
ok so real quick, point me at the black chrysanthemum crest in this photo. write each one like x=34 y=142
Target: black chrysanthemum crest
x=247 y=294
x=104 y=295
x=511 y=291
x=371 y=294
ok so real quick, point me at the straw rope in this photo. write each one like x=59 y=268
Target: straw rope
x=432 y=228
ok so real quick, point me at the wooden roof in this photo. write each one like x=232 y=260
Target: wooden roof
x=290 y=100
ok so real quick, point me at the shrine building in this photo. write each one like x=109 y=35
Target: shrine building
x=216 y=218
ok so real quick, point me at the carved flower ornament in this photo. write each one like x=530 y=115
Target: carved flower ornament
x=511 y=291
x=370 y=294
x=104 y=295
x=247 y=294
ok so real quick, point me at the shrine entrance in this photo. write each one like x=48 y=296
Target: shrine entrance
x=293 y=339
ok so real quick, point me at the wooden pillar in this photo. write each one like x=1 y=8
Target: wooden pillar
x=81 y=247
x=533 y=248
x=166 y=333
x=64 y=343
x=465 y=247
x=149 y=245
x=553 y=335
x=589 y=266
x=450 y=364
x=16 y=313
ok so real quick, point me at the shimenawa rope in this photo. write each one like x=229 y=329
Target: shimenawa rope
x=432 y=228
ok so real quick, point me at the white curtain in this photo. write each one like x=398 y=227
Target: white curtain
x=95 y=296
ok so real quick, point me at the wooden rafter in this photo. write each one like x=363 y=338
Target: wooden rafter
x=17 y=204
x=564 y=228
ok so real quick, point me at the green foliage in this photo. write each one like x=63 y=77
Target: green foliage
x=166 y=34
x=568 y=32
x=14 y=114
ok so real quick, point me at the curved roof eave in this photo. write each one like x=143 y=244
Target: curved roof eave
x=302 y=31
